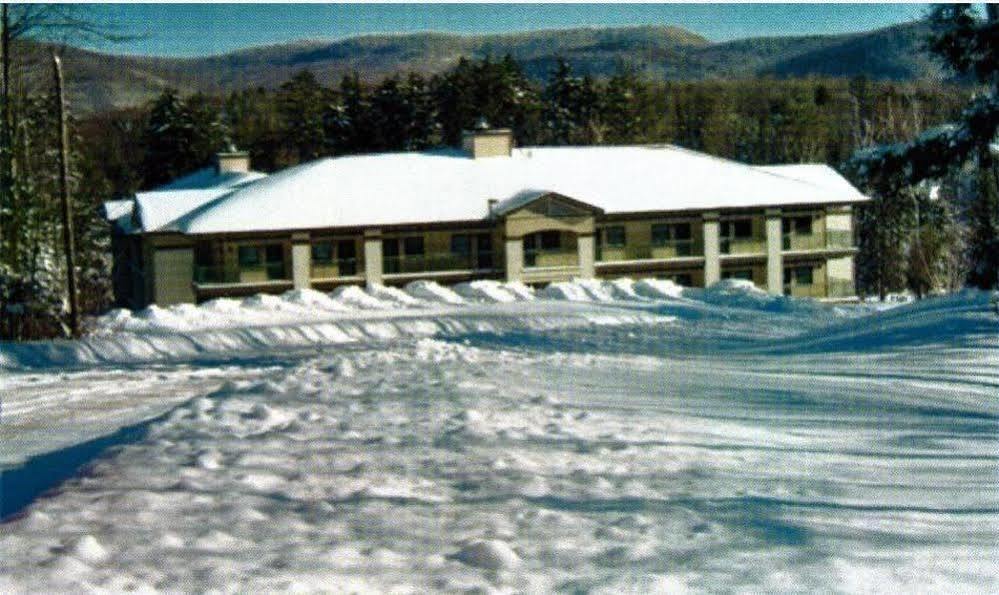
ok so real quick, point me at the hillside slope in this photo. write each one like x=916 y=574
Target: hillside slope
x=99 y=81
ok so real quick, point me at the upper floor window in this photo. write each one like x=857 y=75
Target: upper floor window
x=737 y=228
x=322 y=252
x=664 y=234
x=614 y=237
x=801 y=225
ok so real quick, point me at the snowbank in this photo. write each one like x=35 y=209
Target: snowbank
x=485 y=291
x=565 y=291
x=560 y=461
x=355 y=296
x=658 y=289
x=394 y=295
x=433 y=292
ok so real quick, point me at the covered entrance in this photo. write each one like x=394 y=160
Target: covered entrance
x=549 y=237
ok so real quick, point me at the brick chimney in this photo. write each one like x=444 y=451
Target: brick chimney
x=232 y=160
x=484 y=141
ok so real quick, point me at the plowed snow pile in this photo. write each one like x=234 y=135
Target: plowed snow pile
x=745 y=443
x=432 y=292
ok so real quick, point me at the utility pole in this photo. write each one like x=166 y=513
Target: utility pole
x=67 y=212
x=6 y=151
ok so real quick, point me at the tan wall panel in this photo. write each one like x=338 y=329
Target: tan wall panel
x=174 y=272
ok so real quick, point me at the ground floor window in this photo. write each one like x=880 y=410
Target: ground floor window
x=401 y=255
x=799 y=275
x=339 y=257
x=265 y=260
x=744 y=274
x=474 y=251
x=673 y=235
x=685 y=279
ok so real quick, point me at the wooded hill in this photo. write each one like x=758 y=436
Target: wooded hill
x=101 y=81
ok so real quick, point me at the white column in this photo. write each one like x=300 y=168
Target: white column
x=587 y=255
x=712 y=249
x=514 y=258
x=372 y=257
x=301 y=261
x=775 y=243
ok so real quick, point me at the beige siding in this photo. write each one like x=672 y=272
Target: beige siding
x=840 y=272
x=638 y=239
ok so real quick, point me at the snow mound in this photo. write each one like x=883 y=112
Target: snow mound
x=595 y=289
x=623 y=289
x=565 y=291
x=156 y=317
x=659 y=289
x=740 y=293
x=222 y=306
x=88 y=549
x=353 y=295
x=735 y=287
x=521 y=291
x=433 y=292
x=310 y=298
x=393 y=294
x=488 y=553
x=116 y=319
x=485 y=291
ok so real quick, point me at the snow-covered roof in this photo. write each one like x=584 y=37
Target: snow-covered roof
x=522 y=199
x=817 y=174
x=209 y=177
x=119 y=213
x=160 y=206
x=156 y=211
x=447 y=185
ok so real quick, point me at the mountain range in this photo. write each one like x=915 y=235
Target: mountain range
x=100 y=81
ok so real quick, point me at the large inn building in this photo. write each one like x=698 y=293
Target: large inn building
x=486 y=211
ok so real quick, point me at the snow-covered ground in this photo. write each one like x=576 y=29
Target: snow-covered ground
x=593 y=437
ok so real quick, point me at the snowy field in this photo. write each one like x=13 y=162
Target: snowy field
x=590 y=437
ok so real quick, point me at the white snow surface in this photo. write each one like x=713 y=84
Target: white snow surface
x=446 y=185
x=717 y=440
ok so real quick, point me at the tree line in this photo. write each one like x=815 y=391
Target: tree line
x=929 y=229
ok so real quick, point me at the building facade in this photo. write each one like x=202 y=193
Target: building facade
x=488 y=211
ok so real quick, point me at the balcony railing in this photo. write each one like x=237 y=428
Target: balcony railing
x=813 y=241
x=675 y=249
x=839 y=238
x=222 y=274
x=340 y=267
x=559 y=257
x=437 y=262
x=743 y=246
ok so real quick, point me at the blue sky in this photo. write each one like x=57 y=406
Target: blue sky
x=199 y=29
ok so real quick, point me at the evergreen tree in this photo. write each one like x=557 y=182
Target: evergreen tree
x=496 y=91
x=179 y=138
x=571 y=108
x=968 y=45
x=353 y=122
x=984 y=231
x=301 y=102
